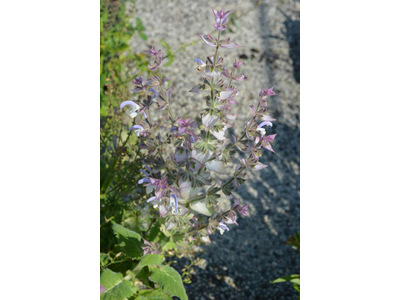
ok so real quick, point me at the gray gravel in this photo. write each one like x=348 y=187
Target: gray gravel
x=241 y=263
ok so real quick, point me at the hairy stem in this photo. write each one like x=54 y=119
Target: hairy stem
x=165 y=164
x=166 y=98
x=244 y=134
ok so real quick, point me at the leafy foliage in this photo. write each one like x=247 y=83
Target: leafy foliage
x=294 y=241
x=169 y=280
x=129 y=240
x=157 y=294
x=116 y=287
x=151 y=260
x=115 y=52
x=294 y=279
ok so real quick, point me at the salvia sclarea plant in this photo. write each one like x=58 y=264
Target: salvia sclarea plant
x=181 y=192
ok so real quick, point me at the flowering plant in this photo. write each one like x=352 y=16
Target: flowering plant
x=180 y=156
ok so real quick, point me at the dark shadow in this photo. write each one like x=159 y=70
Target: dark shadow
x=292 y=34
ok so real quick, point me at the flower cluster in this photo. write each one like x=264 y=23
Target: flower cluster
x=179 y=183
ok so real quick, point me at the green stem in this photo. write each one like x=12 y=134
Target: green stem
x=110 y=174
x=166 y=98
x=165 y=164
x=230 y=81
x=244 y=134
x=214 y=61
x=151 y=224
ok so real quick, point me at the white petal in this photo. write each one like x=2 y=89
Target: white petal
x=220 y=135
x=209 y=121
x=187 y=192
x=201 y=157
x=201 y=208
x=216 y=166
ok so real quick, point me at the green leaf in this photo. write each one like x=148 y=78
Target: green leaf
x=129 y=240
x=154 y=232
x=104 y=259
x=294 y=241
x=116 y=287
x=139 y=25
x=143 y=36
x=296 y=287
x=153 y=294
x=169 y=280
x=170 y=61
x=122 y=48
x=151 y=260
x=291 y=278
x=143 y=276
x=169 y=246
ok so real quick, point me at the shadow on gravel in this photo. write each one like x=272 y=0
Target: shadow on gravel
x=292 y=34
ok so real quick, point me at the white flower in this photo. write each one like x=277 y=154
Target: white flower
x=137 y=129
x=261 y=130
x=173 y=204
x=132 y=112
x=222 y=227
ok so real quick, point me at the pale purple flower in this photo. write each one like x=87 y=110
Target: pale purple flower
x=154 y=92
x=140 y=86
x=132 y=112
x=228 y=44
x=147 y=175
x=138 y=129
x=259 y=166
x=267 y=118
x=220 y=18
x=153 y=52
x=160 y=185
x=237 y=64
x=150 y=199
x=173 y=203
x=266 y=142
x=263 y=96
x=265 y=123
x=268 y=92
x=102 y=289
x=183 y=125
x=236 y=204
x=243 y=210
x=208 y=40
x=239 y=77
x=150 y=248
x=157 y=62
x=201 y=64
x=222 y=227
x=231 y=218
x=143 y=180
x=144 y=172
x=138 y=81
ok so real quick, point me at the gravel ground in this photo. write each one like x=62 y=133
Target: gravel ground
x=241 y=263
